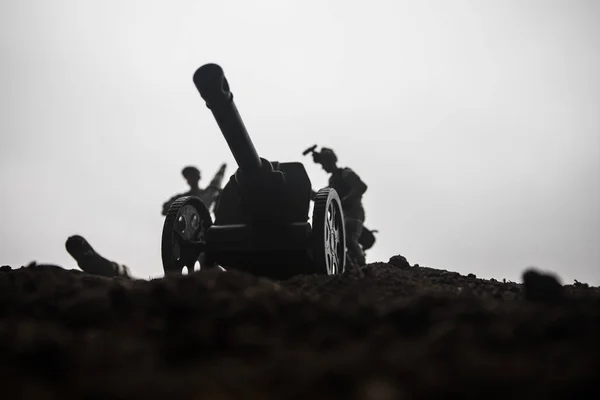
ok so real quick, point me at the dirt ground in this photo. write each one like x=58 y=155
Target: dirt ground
x=387 y=331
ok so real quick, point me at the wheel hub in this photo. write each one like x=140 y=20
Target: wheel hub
x=332 y=240
x=184 y=233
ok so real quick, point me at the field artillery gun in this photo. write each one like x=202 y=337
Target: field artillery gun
x=261 y=222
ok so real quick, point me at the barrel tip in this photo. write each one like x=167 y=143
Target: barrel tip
x=208 y=72
x=210 y=82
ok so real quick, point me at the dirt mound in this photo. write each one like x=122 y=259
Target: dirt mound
x=386 y=331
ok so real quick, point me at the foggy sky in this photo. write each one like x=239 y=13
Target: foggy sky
x=475 y=123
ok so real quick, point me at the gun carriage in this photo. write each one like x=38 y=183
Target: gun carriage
x=262 y=219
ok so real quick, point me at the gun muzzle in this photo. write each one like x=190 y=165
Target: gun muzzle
x=214 y=89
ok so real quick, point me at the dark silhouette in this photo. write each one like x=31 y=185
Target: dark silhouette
x=261 y=223
x=350 y=188
x=542 y=287
x=91 y=262
x=209 y=196
x=380 y=332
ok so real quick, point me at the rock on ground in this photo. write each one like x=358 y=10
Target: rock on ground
x=386 y=331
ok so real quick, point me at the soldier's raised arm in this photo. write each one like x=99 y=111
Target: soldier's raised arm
x=214 y=189
x=210 y=196
x=217 y=180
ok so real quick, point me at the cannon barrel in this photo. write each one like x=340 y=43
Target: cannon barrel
x=214 y=89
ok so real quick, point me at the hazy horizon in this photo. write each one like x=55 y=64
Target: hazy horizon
x=475 y=124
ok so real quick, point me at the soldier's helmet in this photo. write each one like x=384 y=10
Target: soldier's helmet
x=191 y=172
x=327 y=154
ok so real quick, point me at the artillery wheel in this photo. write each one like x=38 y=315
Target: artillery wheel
x=183 y=236
x=329 y=234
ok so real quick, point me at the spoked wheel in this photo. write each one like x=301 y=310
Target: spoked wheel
x=329 y=234
x=183 y=243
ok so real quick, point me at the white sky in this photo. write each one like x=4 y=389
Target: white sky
x=474 y=123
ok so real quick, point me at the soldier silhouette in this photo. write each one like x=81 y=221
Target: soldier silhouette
x=350 y=188
x=209 y=196
x=91 y=262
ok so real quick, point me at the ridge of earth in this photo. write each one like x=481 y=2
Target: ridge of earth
x=384 y=331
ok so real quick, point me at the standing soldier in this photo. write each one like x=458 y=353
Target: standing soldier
x=209 y=196
x=350 y=188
